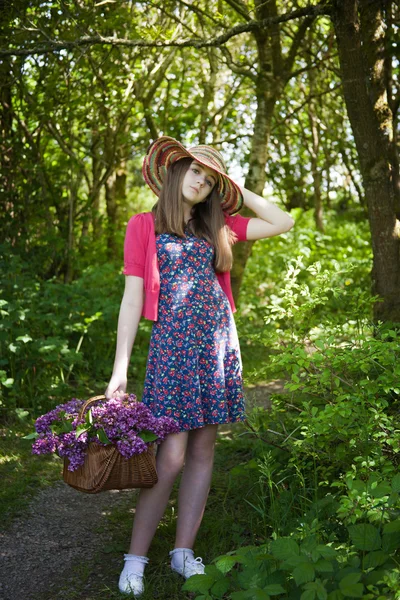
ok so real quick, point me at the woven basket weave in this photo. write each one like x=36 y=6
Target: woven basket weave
x=106 y=469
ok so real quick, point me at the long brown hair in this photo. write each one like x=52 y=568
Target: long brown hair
x=207 y=217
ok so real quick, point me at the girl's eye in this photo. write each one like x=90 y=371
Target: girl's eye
x=210 y=183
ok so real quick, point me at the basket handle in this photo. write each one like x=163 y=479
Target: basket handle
x=92 y=401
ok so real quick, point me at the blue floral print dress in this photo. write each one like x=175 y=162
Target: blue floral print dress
x=194 y=366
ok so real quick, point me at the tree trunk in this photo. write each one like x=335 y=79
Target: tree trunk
x=273 y=74
x=315 y=144
x=361 y=43
x=208 y=95
x=115 y=196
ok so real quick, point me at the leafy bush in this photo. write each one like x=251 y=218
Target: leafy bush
x=327 y=493
x=306 y=569
x=57 y=340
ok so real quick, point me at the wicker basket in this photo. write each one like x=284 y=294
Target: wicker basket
x=106 y=469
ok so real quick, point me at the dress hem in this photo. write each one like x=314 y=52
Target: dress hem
x=241 y=420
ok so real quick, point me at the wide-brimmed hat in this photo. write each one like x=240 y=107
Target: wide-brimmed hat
x=164 y=151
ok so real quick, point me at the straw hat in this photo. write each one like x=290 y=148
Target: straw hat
x=166 y=150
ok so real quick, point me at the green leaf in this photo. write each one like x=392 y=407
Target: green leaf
x=24 y=338
x=62 y=427
x=220 y=587
x=147 y=436
x=323 y=566
x=214 y=572
x=396 y=483
x=322 y=594
x=336 y=595
x=326 y=551
x=8 y=383
x=303 y=573
x=89 y=417
x=101 y=434
x=374 y=559
x=252 y=594
x=308 y=595
x=284 y=548
x=365 y=536
x=381 y=490
x=274 y=589
x=392 y=527
x=391 y=541
x=350 y=587
x=31 y=436
x=351 y=578
x=198 y=583
x=226 y=563
x=356 y=590
x=376 y=576
x=81 y=429
x=295 y=561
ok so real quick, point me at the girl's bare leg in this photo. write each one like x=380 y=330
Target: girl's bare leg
x=195 y=484
x=152 y=502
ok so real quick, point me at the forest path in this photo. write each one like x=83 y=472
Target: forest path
x=63 y=528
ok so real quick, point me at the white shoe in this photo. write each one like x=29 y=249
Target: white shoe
x=131 y=582
x=190 y=565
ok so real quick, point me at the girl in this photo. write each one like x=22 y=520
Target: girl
x=177 y=261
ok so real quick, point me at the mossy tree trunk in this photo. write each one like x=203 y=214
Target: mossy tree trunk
x=360 y=34
x=274 y=72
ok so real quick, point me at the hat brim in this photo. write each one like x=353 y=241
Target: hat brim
x=164 y=151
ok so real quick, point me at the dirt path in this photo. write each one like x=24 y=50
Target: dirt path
x=63 y=527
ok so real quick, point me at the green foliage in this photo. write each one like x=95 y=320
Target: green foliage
x=58 y=340
x=342 y=393
x=304 y=568
x=299 y=283
x=328 y=488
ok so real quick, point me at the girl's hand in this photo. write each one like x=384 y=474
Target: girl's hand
x=117 y=387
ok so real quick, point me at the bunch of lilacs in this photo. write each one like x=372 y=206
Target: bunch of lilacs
x=125 y=423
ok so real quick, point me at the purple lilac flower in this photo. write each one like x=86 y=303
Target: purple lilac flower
x=73 y=449
x=71 y=410
x=129 y=447
x=121 y=419
x=44 y=445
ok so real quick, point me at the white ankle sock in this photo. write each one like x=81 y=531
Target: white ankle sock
x=134 y=564
x=178 y=555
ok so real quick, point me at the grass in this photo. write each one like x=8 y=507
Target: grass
x=228 y=523
x=22 y=474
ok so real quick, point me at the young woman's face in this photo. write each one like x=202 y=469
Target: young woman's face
x=198 y=183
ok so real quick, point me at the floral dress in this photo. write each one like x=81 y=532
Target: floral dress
x=194 y=366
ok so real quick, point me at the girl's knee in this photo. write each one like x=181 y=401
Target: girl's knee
x=170 y=466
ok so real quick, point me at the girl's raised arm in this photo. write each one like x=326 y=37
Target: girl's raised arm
x=272 y=220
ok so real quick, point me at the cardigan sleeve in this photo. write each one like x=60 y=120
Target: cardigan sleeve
x=238 y=224
x=134 y=247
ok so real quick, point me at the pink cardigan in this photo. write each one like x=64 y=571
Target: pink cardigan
x=140 y=258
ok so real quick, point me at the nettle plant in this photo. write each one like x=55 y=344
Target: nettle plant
x=357 y=559
x=366 y=567
x=341 y=398
x=336 y=428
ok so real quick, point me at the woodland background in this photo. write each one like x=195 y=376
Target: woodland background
x=302 y=98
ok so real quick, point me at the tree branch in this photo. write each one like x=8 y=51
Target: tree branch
x=239 y=70
x=240 y=7
x=54 y=46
